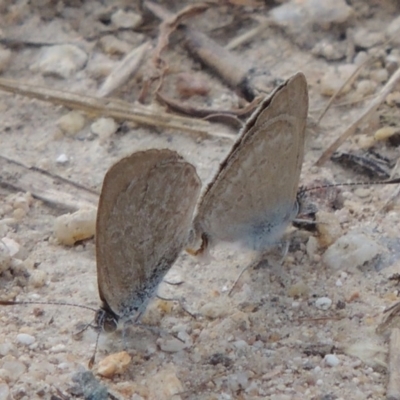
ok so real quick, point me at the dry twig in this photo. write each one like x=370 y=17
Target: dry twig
x=117 y=109
x=374 y=104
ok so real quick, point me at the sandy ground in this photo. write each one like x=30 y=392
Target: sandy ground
x=268 y=340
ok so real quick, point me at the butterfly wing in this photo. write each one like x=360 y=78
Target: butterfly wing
x=144 y=215
x=253 y=196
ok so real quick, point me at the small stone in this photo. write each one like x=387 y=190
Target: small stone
x=331 y=360
x=393 y=99
x=331 y=51
x=5 y=58
x=165 y=384
x=360 y=58
x=299 y=289
x=339 y=283
x=72 y=123
x=323 y=303
x=126 y=20
x=393 y=31
x=113 y=364
x=37 y=278
x=366 y=39
x=4 y=391
x=380 y=75
x=62 y=159
x=88 y=387
x=25 y=339
x=5 y=258
x=311 y=247
x=14 y=369
x=70 y=228
x=171 y=345
x=111 y=45
x=104 y=128
x=385 y=132
x=334 y=79
x=366 y=87
x=351 y=251
x=58 y=348
x=6 y=348
x=214 y=310
x=328 y=227
x=62 y=61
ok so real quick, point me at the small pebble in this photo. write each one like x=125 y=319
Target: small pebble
x=62 y=61
x=393 y=31
x=365 y=39
x=72 y=123
x=104 y=128
x=351 y=251
x=37 y=278
x=14 y=369
x=214 y=310
x=171 y=345
x=338 y=283
x=165 y=384
x=366 y=87
x=385 y=132
x=25 y=339
x=323 y=303
x=70 y=228
x=111 y=45
x=5 y=258
x=4 y=391
x=113 y=364
x=329 y=228
x=331 y=360
x=126 y=19
x=393 y=99
x=380 y=75
x=62 y=159
x=334 y=79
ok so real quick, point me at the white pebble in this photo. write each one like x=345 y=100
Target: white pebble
x=331 y=360
x=319 y=382
x=14 y=369
x=295 y=304
x=71 y=123
x=58 y=348
x=351 y=251
x=171 y=345
x=62 y=61
x=125 y=19
x=62 y=159
x=366 y=87
x=339 y=283
x=4 y=391
x=104 y=128
x=25 y=339
x=37 y=278
x=70 y=228
x=323 y=303
x=12 y=245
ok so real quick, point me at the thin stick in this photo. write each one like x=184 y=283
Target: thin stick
x=375 y=103
x=114 y=108
x=393 y=390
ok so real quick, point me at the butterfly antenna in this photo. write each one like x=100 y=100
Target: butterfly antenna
x=308 y=189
